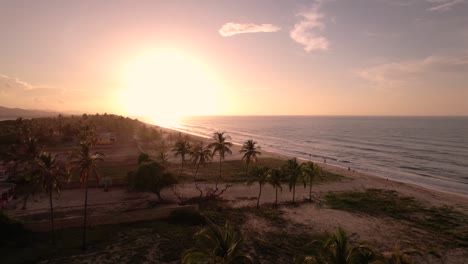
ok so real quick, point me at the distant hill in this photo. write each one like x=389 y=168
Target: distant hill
x=6 y=112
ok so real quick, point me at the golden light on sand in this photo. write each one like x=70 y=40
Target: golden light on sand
x=165 y=84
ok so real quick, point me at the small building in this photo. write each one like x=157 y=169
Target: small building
x=105 y=138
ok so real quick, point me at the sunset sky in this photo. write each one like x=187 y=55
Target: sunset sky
x=167 y=58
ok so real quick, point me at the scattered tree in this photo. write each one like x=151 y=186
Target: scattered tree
x=310 y=170
x=85 y=162
x=50 y=173
x=151 y=176
x=220 y=146
x=292 y=170
x=275 y=178
x=251 y=153
x=181 y=148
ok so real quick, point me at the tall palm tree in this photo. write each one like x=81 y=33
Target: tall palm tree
x=309 y=171
x=217 y=245
x=181 y=148
x=85 y=162
x=250 y=153
x=274 y=179
x=220 y=146
x=200 y=155
x=50 y=172
x=292 y=170
x=261 y=176
x=28 y=156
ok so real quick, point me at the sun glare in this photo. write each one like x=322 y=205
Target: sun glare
x=166 y=84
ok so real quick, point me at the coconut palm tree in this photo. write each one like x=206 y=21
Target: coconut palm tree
x=220 y=146
x=85 y=162
x=338 y=249
x=200 y=155
x=309 y=171
x=217 y=245
x=29 y=152
x=292 y=170
x=50 y=172
x=250 y=152
x=181 y=148
x=274 y=179
x=261 y=176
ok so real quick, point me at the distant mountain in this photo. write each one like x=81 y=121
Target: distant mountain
x=6 y=112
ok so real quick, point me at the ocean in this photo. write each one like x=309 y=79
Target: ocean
x=428 y=151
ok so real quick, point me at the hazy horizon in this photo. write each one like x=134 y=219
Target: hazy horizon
x=166 y=59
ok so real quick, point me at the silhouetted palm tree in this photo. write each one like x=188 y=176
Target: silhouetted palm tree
x=310 y=170
x=292 y=170
x=181 y=148
x=250 y=152
x=220 y=146
x=274 y=179
x=217 y=245
x=200 y=155
x=261 y=176
x=50 y=172
x=82 y=160
x=28 y=155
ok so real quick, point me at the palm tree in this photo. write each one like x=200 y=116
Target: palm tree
x=181 y=148
x=261 y=176
x=219 y=245
x=85 y=163
x=250 y=152
x=220 y=146
x=337 y=248
x=309 y=171
x=28 y=156
x=50 y=173
x=292 y=171
x=274 y=179
x=200 y=155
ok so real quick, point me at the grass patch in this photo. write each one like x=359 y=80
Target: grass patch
x=449 y=224
x=281 y=247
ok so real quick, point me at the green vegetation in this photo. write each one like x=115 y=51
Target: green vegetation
x=220 y=146
x=251 y=153
x=449 y=224
x=151 y=176
x=217 y=244
x=50 y=175
x=84 y=162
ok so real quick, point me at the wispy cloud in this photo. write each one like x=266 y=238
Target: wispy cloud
x=307 y=31
x=443 y=5
x=403 y=74
x=231 y=29
x=16 y=90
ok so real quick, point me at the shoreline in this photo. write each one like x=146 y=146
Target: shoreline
x=330 y=167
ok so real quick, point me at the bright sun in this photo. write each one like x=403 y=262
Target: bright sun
x=165 y=84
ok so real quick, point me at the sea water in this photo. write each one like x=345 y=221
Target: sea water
x=427 y=151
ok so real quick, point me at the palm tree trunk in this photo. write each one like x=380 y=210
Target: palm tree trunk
x=52 y=227
x=196 y=171
x=276 y=200
x=259 y=194
x=219 y=177
x=310 y=189
x=85 y=214
x=181 y=169
x=248 y=171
